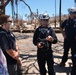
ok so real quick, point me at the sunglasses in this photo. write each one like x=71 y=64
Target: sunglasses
x=9 y=21
x=44 y=20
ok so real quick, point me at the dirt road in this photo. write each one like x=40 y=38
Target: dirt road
x=28 y=55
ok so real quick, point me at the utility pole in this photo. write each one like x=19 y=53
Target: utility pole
x=16 y=2
x=37 y=12
x=60 y=12
x=75 y=2
x=55 y=13
x=12 y=5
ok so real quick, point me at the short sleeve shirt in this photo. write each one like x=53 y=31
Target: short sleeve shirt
x=7 y=42
x=70 y=28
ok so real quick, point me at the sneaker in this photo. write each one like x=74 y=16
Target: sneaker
x=62 y=64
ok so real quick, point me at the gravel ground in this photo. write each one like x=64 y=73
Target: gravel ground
x=28 y=55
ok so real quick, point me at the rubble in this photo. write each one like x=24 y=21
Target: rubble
x=28 y=55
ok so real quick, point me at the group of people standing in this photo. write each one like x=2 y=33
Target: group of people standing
x=44 y=36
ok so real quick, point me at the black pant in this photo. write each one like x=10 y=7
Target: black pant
x=70 y=44
x=67 y=46
x=12 y=69
x=73 y=71
x=43 y=57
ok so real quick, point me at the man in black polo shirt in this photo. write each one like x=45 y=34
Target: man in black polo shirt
x=68 y=29
x=8 y=45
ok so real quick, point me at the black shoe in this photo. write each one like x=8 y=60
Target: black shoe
x=62 y=64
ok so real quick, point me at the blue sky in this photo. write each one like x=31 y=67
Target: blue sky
x=42 y=6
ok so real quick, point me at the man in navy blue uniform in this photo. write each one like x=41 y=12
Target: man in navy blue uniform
x=68 y=29
x=43 y=38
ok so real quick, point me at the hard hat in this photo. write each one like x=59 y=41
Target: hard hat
x=44 y=16
x=72 y=10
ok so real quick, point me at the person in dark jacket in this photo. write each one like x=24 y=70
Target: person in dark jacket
x=69 y=35
x=44 y=37
x=68 y=30
x=8 y=44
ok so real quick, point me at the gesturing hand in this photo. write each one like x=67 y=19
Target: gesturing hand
x=49 y=38
x=39 y=45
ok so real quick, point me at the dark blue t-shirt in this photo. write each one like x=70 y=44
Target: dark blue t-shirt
x=7 y=42
x=69 y=27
